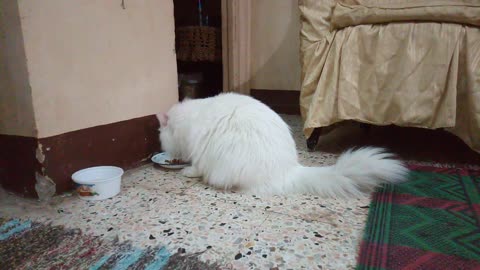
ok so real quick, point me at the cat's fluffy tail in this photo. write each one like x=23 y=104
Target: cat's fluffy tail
x=356 y=172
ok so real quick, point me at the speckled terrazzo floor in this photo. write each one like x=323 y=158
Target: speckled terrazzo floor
x=159 y=207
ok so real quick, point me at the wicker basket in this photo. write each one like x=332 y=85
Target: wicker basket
x=198 y=43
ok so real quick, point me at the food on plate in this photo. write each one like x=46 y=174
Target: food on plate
x=175 y=161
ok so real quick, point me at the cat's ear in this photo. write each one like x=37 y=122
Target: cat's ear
x=162 y=119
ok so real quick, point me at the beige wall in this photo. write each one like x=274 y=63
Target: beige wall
x=93 y=63
x=275 y=45
x=16 y=110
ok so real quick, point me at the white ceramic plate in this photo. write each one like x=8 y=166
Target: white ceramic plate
x=161 y=159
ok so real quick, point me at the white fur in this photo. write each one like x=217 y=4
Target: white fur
x=236 y=142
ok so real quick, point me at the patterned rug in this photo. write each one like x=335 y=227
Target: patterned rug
x=430 y=222
x=31 y=245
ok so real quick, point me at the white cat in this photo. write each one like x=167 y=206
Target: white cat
x=236 y=142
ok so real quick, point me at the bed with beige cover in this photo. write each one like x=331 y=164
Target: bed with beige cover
x=412 y=63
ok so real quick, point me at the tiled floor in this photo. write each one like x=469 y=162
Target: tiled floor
x=239 y=231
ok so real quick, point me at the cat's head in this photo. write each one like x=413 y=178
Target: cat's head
x=167 y=140
x=162 y=119
x=174 y=128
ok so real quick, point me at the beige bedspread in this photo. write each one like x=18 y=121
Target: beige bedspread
x=368 y=61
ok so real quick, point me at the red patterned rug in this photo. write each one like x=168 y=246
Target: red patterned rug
x=429 y=222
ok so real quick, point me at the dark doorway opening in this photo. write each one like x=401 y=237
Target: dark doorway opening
x=198 y=44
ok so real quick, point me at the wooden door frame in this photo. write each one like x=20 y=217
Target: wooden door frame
x=236 y=28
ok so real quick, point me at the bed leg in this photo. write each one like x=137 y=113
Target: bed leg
x=312 y=141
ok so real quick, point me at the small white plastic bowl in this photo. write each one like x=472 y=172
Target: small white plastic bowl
x=98 y=183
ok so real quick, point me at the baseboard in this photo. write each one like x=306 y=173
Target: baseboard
x=124 y=144
x=18 y=164
x=281 y=101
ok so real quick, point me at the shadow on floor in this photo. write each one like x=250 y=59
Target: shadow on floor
x=409 y=143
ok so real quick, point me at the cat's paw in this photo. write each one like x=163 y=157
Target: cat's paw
x=190 y=172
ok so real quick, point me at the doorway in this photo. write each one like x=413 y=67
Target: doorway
x=198 y=45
